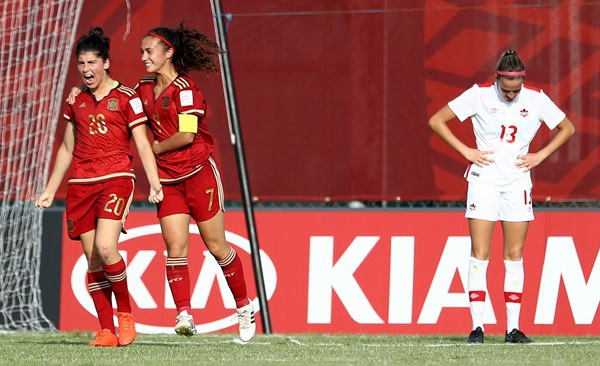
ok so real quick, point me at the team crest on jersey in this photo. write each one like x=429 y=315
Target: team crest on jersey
x=166 y=101
x=524 y=112
x=113 y=104
x=70 y=225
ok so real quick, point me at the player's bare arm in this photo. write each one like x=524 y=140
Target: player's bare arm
x=439 y=124
x=566 y=129
x=148 y=162
x=64 y=156
x=178 y=140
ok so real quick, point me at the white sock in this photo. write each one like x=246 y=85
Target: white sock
x=477 y=287
x=513 y=292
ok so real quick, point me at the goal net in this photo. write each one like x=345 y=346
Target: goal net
x=37 y=37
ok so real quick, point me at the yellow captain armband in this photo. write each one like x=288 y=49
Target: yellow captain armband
x=188 y=123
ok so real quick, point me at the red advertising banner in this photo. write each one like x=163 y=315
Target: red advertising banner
x=396 y=272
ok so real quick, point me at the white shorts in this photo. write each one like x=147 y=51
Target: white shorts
x=486 y=203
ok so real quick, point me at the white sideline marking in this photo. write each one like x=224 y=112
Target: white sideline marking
x=192 y=342
x=294 y=341
x=268 y=341
x=508 y=344
x=459 y=344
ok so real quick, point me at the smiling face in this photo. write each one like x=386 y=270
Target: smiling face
x=92 y=69
x=155 y=55
x=510 y=87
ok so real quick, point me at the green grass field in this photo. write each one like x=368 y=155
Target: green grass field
x=47 y=348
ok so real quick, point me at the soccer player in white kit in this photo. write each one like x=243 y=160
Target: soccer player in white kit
x=506 y=115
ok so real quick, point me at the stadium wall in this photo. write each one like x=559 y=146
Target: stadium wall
x=346 y=271
x=334 y=96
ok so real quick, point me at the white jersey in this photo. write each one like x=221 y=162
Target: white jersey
x=506 y=128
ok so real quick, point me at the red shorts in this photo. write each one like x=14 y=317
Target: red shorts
x=200 y=196
x=86 y=203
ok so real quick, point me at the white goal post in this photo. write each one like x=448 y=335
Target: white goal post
x=36 y=41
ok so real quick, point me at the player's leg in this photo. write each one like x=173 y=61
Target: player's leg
x=115 y=269
x=175 y=231
x=81 y=222
x=112 y=207
x=100 y=292
x=514 y=241
x=213 y=234
x=206 y=204
x=482 y=213
x=516 y=212
x=174 y=217
x=481 y=236
x=107 y=236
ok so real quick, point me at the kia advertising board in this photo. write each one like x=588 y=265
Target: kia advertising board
x=357 y=272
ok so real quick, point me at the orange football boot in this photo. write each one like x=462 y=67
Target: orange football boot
x=127 y=331
x=105 y=338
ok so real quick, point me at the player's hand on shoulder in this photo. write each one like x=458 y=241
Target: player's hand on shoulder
x=75 y=91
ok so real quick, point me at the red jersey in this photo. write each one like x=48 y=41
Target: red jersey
x=180 y=97
x=102 y=134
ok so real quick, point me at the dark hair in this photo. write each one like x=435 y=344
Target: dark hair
x=192 y=49
x=510 y=61
x=95 y=42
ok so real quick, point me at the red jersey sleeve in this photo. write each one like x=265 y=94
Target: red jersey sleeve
x=189 y=99
x=68 y=113
x=133 y=109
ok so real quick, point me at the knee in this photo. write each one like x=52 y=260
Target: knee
x=177 y=248
x=513 y=253
x=482 y=255
x=513 y=256
x=219 y=250
x=107 y=252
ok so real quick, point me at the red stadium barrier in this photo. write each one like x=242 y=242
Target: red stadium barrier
x=394 y=272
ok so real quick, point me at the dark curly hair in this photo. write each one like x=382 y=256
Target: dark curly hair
x=192 y=49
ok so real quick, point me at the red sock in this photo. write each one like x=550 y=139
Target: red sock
x=101 y=294
x=117 y=276
x=178 y=276
x=234 y=274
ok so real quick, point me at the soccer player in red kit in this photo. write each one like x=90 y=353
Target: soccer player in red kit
x=95 y=152
x=191 y=181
